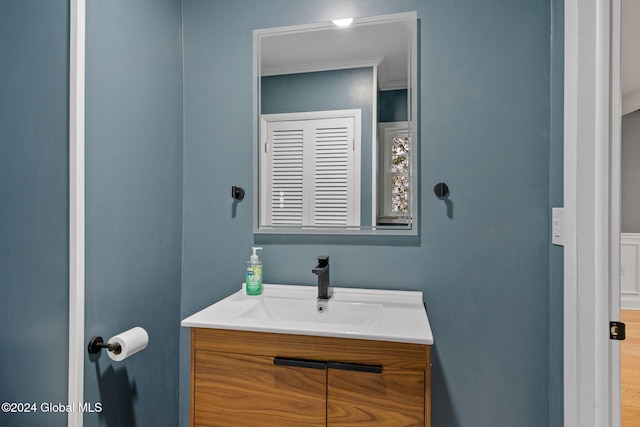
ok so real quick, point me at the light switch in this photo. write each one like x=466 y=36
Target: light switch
x=557 y=222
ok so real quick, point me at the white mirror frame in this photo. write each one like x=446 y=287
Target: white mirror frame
x=412 y=94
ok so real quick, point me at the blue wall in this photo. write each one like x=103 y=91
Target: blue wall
x=484 y=263
x=491 y=127
x=319 y=91
x=134 y=206
x=392 y=105
x=34 y=213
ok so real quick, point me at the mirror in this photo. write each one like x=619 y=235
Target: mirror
x=335 y=126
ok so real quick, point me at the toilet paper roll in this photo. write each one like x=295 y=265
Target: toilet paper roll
x=131 y=342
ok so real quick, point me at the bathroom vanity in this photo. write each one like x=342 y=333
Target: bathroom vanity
x=274 y=360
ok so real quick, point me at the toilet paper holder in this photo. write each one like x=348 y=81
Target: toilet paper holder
x=97 y=344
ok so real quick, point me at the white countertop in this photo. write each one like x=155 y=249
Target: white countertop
x=382 y=315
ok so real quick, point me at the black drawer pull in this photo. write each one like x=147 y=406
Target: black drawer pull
x=355 y=367
x=299 y=363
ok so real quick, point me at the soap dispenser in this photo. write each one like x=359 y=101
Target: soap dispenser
x=253 y=278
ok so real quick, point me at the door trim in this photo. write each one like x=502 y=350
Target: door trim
x=76 y=207
x=615 y=199
x=591 y=198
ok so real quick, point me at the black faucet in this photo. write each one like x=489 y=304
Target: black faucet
x=322 y=270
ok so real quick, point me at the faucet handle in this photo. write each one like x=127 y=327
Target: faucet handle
x=323 y=260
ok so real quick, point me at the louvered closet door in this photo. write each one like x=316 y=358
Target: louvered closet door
x=311 y=173
x=333 y=180
x=285 y=177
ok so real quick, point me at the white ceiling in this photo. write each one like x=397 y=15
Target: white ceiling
x=630 y=56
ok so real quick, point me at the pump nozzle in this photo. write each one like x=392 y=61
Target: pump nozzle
x=254 y=257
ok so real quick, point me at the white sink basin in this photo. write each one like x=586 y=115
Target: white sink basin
x=296 y=310
x=384 y=315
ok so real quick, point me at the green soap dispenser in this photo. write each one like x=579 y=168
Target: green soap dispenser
x=253 y=278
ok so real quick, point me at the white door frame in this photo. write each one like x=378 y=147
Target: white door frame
x=615 y=198
x=76 y=209
x=592 y=210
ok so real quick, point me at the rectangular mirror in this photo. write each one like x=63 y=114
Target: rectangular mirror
x=336 y=142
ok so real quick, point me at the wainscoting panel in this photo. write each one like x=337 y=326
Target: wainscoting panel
x=630 y=271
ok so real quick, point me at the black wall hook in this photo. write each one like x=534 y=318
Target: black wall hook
x=237 y=193
x=441 y=190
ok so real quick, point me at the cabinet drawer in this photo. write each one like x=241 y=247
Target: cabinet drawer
x=390 y=355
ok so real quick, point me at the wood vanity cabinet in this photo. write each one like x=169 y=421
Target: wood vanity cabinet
x=244 y=379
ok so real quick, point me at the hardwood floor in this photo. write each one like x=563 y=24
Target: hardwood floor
x=630 y=367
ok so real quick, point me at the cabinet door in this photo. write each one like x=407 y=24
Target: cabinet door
x=391 y=398
x=240 y=390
